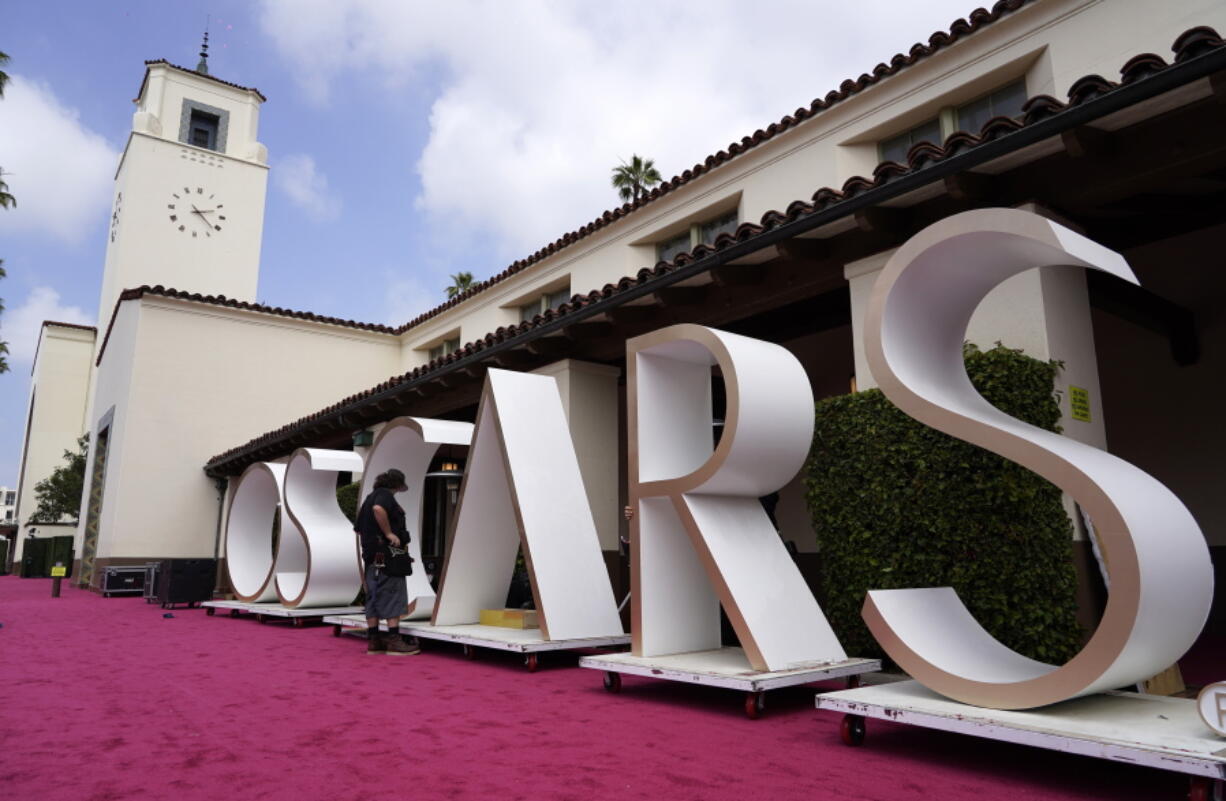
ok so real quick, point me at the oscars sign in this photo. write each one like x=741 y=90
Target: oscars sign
x=409 y=444
x=700 y=538
x=317 y=561
x=522 y=488
x=1161 y=574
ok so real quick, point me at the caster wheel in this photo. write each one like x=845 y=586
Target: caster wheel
x=612 y=681
x=233 y=613
x=470 y=652
x=336 y=631
x=531 y=661
x=210 y=611
x=106 y=595
x=853 y=682
x=755 y=702
x=852 y=730
x=261 y=618
x=299 y=622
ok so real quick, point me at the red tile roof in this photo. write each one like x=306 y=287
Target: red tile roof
x=1191 y=44
x=222 y=300
x=940 y=40
x=213 y=78
x=70 y=325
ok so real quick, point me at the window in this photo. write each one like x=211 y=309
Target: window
x=703 y=232
x=10 y=498
x=896 y=149
x=1006 y=101
x=8 y=514
x=445 y=348
x=202 y=129
x=670 y=248
x=708 y=231
x=548 y=300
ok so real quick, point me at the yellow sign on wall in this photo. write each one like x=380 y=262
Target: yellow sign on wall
x=59 y=571
x=1079 y=403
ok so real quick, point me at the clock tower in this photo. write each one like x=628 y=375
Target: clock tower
x=188 y=210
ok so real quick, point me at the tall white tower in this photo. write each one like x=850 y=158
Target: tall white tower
x=188 y=210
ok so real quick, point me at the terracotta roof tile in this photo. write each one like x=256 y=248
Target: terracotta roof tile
x=1036 y=109
x=59 y=324
x=215 y=79
x=939 y=40
x=222 y=300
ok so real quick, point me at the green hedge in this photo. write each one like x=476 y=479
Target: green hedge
x=896 y=504
x=347 y=498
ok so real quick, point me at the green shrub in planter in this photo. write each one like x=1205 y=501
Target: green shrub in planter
x=896 y=504
x=347 y=499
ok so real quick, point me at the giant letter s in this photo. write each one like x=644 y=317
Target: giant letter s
x=1161 y=576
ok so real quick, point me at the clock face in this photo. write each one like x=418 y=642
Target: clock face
x=196 y=211
x=115 y=215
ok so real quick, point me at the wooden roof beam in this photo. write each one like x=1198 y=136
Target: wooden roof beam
x=731 y=275
x=681 y=295
x=1085 y=141
x=969 y=187
x=550 y=347
x=804 y=249
x=585 y=332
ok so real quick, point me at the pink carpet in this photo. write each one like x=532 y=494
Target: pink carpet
x=104 y=699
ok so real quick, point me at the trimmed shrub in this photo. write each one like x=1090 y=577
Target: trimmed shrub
x=896 y=504
x=347 y=499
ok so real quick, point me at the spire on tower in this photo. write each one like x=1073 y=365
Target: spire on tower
x=203 y=66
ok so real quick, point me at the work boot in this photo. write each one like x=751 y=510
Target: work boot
x=397 y=646
x=375 y=643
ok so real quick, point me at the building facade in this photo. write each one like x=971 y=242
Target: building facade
x=1098 y=113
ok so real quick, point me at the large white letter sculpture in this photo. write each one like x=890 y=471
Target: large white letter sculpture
x=409 y=444
x=317 y=555
x=1161 y=577
x=699 y=525
x=253 y=507
x=522 y=486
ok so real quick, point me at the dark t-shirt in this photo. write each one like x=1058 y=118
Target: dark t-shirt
x=368 y=529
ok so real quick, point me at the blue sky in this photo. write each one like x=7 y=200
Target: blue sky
x=407 y=140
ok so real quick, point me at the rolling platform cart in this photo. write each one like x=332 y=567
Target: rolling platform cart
x=529 y=642
x=274 y=611
x=1153 y=730
x=724 y=667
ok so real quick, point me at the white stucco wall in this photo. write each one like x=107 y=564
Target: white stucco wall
x=201 y=378
x=55 y=417
x=144 y=245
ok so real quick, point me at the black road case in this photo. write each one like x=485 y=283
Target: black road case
x=123 y=580
x=186 y=581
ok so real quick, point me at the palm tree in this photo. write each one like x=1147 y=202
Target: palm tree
x=6 y=200
x=634 y=179
x=460 y=283
x=4 y=76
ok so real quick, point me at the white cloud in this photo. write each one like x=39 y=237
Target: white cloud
x=405 y=297
x=20 y=326
x=538 y=100
x=297 y=176
x=62 y=172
